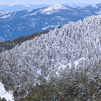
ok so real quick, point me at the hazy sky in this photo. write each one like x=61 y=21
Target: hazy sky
x=3 y=2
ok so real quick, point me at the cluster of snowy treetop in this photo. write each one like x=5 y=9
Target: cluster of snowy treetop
x=76 y=45
x=7 y=45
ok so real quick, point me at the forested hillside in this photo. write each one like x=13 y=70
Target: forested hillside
x=7 y=45
x=64 y=64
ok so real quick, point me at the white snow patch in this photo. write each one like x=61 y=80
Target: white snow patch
x=57 y=73
x=54 y=8
x=77 y=62
x=59 y=17
x=1 y=39
x=31 y=13
x=39 y=72
x=62 y=67
x=32 y=25
x=84 y=6
x=3 y=12
x=87 y=11
x=47 y=27
x=94 y=6
x=3 y=93
x=99 y=12
x=13 y=4
x=29 y=10
x=35 y=12
x=6 y=16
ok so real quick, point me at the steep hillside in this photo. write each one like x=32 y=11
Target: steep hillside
x=76 y=47
x=7 y=45
x=21 y=23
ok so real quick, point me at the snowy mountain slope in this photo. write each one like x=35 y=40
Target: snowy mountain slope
x=5 y=94
x=26 y=22
x=92 y=9
x=55 y=8
x=74 y=45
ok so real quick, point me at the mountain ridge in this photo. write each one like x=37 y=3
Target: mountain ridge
x=26 y=22
x=18 y=7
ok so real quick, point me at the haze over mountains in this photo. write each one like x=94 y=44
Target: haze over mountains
x=26 y=22
x=18 y=7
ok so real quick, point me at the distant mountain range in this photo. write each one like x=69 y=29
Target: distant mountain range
x=76 y=4
x=18 y=7
x=26 y=22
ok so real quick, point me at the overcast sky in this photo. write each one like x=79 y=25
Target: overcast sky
x=3 y=2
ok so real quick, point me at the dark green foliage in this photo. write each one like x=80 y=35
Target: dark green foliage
x=16 y=94
x=2 y=99
x=7 y=45
x=22 y=93
x=79 y=88
x=8 y=83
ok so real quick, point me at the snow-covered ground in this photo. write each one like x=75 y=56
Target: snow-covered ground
x=75 y=45
x=3 y=93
